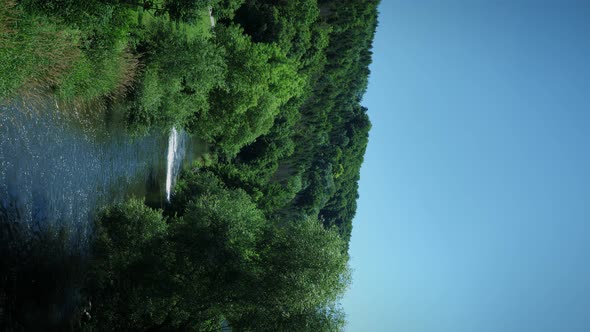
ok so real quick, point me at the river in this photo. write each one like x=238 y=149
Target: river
x=56 y=171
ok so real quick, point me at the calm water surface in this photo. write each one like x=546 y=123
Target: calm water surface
x=57 y=171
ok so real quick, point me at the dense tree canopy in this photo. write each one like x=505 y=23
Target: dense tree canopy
x=257 y=236
x=260 y=79
x=217 y=257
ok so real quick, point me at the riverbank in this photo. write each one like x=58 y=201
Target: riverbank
x=73 y=59
x=56 y=172
x=93 y=51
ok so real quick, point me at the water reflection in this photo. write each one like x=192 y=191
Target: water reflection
x=58 y=167
x=56 y=171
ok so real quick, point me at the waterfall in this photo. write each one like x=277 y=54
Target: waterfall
x=173 y=141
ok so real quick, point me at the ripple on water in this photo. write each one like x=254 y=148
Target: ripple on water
x=55 y=173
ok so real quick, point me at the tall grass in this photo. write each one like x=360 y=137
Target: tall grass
x=104 y=73
x=88 y=52
x=36 y=53
x=40 y=55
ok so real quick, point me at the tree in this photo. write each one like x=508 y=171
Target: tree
x=260 y=274
x=225 y=9
x=325 y=318
x=304 y=273
x=175 y=86
x=185 y=10
x=260 y=79
x=215 y=247
x=128 y=260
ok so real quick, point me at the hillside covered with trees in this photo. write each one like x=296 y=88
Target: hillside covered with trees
x=256 y=234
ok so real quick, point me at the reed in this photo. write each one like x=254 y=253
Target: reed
x=41 y=56
x=36 y=52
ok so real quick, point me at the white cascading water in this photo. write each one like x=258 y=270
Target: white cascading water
x=172 y=152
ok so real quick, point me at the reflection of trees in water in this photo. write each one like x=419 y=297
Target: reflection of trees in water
x=56 y=173
x=40 y=279
x=54 y=178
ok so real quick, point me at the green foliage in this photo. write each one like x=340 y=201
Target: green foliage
x=128 y=251
x=92 y=49
x=259 y=80
x=79 y=52
x=333 y=118
x=278 y=270
x=185 y=10
x=307 y=265
x=290 y=24
x=145 y=273
x=258 y=236
x=215 y=243
x=126 y=228
x=257 y=273
x=319 y=136
x=191 y=185
x=206 y=160
x=175 y=86
x=115 y=69
x=35 y=51
x=225 y=9
x=304 y=274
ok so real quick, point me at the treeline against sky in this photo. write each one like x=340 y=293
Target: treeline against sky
x=257 y=235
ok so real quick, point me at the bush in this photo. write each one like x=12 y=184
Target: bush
x=180 y=73
x=128 y=249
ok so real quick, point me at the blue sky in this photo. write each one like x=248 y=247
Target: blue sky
x=474 y=209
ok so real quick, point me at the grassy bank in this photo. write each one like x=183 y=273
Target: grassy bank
x=93 y=50
x=43 y=54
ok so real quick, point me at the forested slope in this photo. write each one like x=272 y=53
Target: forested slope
x=256 y=234
x=309 y=161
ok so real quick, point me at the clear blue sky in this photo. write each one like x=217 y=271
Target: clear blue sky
x=474 y=210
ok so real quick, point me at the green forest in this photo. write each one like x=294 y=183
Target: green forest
x=256 y=233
